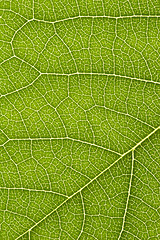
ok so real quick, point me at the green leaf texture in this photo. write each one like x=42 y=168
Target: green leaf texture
x=79 y=119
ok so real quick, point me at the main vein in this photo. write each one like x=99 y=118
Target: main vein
x=131 y=150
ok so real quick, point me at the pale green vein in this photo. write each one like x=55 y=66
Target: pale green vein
x=129 y=191
x=33 y=190
x=131 y=150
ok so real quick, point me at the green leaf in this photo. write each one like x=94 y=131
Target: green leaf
x=79 y=119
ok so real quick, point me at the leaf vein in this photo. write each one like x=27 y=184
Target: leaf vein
x=131 y=150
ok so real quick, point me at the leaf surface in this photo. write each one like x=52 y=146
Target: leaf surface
x=79 y=119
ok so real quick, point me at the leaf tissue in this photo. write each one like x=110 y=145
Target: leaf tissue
x=79 y=120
